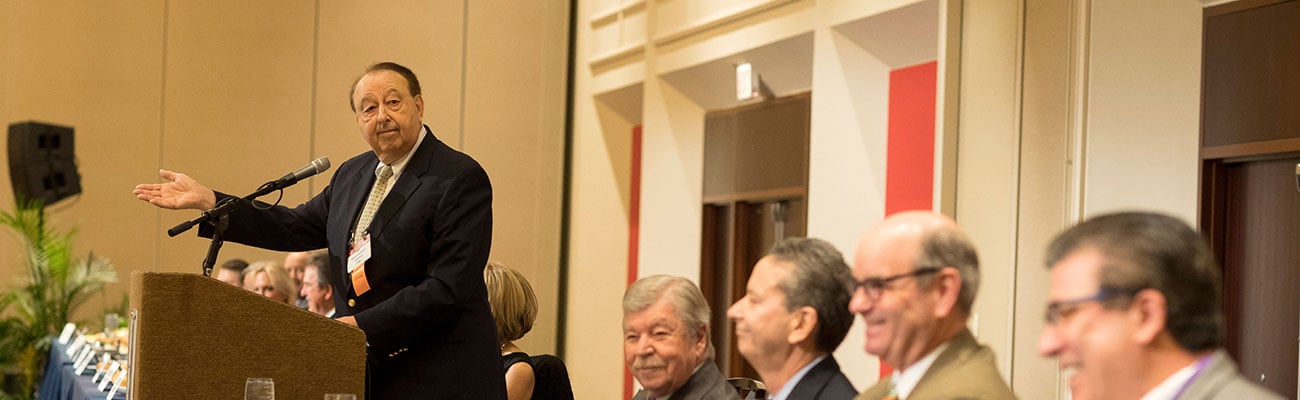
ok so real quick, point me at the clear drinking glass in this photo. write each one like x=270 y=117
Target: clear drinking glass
x=259 y=389
x=110 y=323
x=340 y=396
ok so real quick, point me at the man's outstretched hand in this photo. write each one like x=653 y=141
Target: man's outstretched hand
x=178 y=193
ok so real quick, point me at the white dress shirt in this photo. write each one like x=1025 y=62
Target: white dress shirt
x=905 y=381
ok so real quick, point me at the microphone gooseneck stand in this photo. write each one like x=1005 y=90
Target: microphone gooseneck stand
x=219 y=216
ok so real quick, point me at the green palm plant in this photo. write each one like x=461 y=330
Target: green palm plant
x=56 y=284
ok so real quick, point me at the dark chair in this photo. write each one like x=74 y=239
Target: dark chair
x=551 y=378
x=749 y=389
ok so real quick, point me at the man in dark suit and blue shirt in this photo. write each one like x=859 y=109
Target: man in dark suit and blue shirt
x=408 y=227
x=794 y=314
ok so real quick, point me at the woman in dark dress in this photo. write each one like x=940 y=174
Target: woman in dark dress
x=514 y=306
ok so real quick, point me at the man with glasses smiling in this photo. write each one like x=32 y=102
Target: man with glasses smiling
x=916 y=277
x=1133 y=311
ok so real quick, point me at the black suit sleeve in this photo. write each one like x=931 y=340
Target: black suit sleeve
x=277 y=228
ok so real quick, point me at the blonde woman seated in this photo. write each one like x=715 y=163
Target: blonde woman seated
x=269 y=279
x=514 y=306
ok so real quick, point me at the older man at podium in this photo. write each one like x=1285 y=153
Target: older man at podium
x=408 y=227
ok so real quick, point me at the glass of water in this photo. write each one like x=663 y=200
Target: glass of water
x=259 y=389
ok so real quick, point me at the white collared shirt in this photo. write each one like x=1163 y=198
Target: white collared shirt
x=1172 y=385
x=905 y=380
x=794 y=380
x=399 y=165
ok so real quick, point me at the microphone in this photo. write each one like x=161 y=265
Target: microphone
x=225 y=207
x=317 y=166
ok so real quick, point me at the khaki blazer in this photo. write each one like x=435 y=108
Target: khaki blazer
x=965 y=370
x=1220 y=380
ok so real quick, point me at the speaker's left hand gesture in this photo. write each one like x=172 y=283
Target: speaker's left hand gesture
x=179 y=192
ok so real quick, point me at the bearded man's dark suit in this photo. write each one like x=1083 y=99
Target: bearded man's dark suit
x=426 y=316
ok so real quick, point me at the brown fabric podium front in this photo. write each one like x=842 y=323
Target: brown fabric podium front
x=194 y=337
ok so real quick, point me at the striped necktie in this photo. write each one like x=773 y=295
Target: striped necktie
x=372 y=203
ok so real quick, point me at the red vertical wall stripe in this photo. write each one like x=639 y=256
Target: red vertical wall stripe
x=909 y=175
x=633 y=232
x=909 y=170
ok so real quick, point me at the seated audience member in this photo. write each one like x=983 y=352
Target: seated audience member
x=1134 y=309
x=295 y=264
x=269 y=279
x=916 y=277
x=514 y=306
x=232 y=272
x=794 y=314
x=666 y=341
x=316 y=288
x=247 y=278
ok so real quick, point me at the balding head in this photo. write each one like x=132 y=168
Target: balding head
x=924 y=239
x=916 y=275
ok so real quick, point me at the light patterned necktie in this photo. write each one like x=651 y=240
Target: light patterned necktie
x=372 y=203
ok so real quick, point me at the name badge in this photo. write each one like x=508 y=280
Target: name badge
x=360 y=253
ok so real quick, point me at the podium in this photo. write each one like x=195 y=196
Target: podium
x=194 y=337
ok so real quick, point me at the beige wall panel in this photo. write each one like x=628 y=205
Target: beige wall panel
x=987 y=162
x=1144 y=107
x=598 y=228
x=602 y=7
x=237 y=106
x=606 y=38
x=425 y=36
x=675 y=16
x=634 y=31
x=93 y=67
x=514 y=126
x=1044 y=183
x=846 y=177
x=598 y=236
x=672 y=179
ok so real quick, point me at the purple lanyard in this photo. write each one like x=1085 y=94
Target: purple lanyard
x=1200 y=366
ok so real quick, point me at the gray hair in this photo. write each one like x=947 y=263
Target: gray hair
x=686 y=299
x=950 y=247
x=322 y=277
x=818 y=280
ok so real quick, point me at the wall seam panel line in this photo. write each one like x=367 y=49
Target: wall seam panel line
x=1079 y=148
x=566 y=186
x=1019 y=107
x=315 y=76
x=162 y=124
x=464 y=72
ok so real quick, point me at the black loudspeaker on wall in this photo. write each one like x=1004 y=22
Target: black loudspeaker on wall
x=42 y=164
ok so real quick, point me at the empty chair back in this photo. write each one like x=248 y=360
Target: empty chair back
x=748 y=389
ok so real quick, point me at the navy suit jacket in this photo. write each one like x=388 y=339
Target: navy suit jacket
x=824 y=381
x=426 y=316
